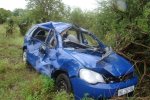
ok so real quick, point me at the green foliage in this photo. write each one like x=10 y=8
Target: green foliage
x=77 y=17
x=48 y=84
x=10 y=26
x=38 y=89
x=46 y=10
x=63 y=96
x=4 y=14
x=18 y=12
x=23 y=19
x=122 y=25
x=85 y=19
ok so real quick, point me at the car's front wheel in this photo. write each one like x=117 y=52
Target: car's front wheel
x=63 y=83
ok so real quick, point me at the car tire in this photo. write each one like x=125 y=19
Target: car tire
x=24 y=59
x=63 y=83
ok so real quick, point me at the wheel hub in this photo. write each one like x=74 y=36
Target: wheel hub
x=62 y=86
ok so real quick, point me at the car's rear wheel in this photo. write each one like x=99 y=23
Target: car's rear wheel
x=24 y=56
x=24 y=59
x=63 y=83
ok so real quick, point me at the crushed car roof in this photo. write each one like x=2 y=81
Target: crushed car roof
x=62 y=26
x=58 y=26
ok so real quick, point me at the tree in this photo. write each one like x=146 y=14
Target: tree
x=10 y=27
x=84 y=19
x=4 y=14
x=23 y=19
x=18 y=12
x=77 y=17
x=45 y=10
x=124 y=20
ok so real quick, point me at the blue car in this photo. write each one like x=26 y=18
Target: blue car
x=78 y=61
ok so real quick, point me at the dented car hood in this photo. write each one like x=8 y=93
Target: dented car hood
x=113 y=64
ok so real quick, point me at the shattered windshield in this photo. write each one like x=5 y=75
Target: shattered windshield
x=78 y=39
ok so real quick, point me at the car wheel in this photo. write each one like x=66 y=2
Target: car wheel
x=63 y=83
x=24 y=59
x=24 y=56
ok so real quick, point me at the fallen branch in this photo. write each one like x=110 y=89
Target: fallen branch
x=127 y=47
x=139 y=44
x=145 y=70
x=122 y=54
x=143 y=53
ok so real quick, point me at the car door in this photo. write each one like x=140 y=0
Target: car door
x=47 y=55
x=35 y=42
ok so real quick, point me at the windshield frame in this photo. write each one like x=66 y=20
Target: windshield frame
x=83 y=31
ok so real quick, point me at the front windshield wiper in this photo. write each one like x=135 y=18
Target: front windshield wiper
x=108 y=51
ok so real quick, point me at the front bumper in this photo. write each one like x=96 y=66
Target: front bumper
x=101 y=90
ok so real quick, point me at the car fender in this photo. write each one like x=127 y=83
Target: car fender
x=68 y=64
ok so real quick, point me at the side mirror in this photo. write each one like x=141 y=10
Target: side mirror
x=42 y=49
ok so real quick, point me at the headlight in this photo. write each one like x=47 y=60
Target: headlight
x=91 y=76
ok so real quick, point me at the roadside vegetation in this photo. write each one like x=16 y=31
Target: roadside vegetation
x=125 y=27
